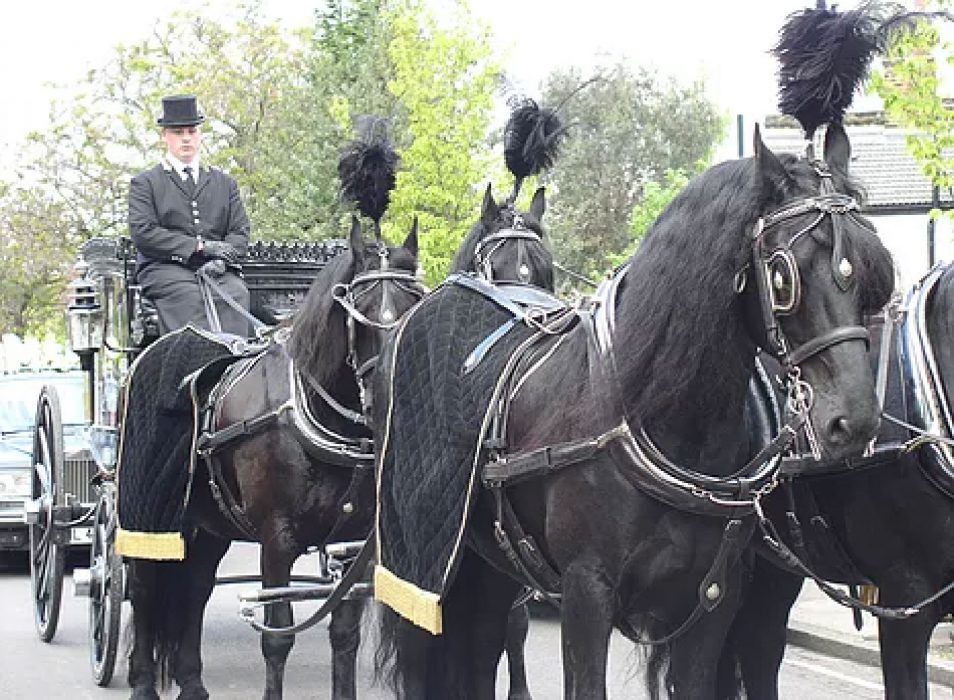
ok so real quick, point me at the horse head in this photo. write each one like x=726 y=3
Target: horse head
x=507 y=245
x=383 y=286
x=354 y=302
x=816 y=270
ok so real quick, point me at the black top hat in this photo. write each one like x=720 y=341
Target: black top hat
x=180 y=110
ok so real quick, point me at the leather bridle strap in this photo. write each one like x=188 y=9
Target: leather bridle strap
x=823 y=342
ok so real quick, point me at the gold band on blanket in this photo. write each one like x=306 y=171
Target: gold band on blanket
x=160 y=546
x=421 y=607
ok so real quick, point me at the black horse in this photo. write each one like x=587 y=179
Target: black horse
x=507 y=245
x=885 y=521
x=692 y=307
x=289 y=493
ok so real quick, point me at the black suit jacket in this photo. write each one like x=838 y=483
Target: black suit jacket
x=165 y=222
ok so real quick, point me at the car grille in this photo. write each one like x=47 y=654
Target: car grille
x=78 y=471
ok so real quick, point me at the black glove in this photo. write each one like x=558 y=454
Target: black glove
x=213 y=268
x=221 y=250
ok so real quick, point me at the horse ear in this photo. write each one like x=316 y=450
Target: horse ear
x=488 y=210
x=355 y=239
x=410 y=243
x=774 y=178
x=837 y=148
x=538 y=205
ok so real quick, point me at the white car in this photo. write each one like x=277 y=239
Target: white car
x=18 y=398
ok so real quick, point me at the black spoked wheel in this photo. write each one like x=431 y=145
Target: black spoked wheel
x=47 y=551
x=106 y=591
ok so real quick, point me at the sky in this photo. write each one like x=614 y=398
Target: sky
x=726 y=44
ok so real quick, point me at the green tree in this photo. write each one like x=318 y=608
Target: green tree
x=103 y=130
x=908 y=85
x=628 y=130
x=36 y=244
x=656 y=197
x=448 y=117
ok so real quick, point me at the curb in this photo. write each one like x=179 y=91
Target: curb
x=846 y=647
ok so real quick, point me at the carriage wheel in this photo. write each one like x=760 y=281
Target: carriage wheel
x=47 y=550
x=106 y=591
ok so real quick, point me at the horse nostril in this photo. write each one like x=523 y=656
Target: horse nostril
x=840 y=431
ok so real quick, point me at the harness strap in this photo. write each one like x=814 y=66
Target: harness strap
x=227 y=298
x=355 y=573
x=343 y=411
x=788 y=558
x=817 y=345
x=712 y=589
x=209 y=441
x=513 y=468
x=228 y=506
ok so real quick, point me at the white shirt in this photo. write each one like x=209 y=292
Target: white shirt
x=179 y=166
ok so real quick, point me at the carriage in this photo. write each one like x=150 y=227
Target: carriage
x=109 y=323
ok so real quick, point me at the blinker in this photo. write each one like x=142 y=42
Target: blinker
x=845 y=267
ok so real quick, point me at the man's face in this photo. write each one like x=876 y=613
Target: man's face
x=182 y=141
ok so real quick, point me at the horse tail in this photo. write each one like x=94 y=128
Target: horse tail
x=658 y=669
x=386 y=668
x=159 y=595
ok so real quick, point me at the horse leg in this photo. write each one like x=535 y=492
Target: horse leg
x=142 y=662
x=205 y=553
x=518 y=626
x=694 y=664
x=276 y=571
x=588 y=608
x=344 y=632
x=904 y=647
x=475 y=629
x=757 y=637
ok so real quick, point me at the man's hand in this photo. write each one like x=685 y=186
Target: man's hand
x=213 y=268
x=221 y=250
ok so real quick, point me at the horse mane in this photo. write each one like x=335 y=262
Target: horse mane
x=676 y=339
x=319 y=341
x=541 y=257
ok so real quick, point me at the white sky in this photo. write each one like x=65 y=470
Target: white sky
x=44 y=41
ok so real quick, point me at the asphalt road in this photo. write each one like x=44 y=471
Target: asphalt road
x=234 y=669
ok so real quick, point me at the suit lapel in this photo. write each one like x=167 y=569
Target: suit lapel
x=177 y=181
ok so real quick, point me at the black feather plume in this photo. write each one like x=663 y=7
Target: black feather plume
x=824 y=56
x=532 y=138
x=367 y=168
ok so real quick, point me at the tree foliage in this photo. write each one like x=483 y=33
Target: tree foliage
x=448 y=118
x=909 y=86
x=280 y=105
x=629 y=129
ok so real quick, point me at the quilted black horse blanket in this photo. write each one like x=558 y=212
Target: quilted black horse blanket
x=156 y=448
x=428 y=450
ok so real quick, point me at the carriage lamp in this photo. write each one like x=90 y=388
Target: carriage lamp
x=84 y=316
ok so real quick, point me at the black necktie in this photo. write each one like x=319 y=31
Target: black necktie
x=189 y=182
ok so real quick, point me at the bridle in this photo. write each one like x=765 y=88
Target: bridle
x=347 y=295
x=517 y=231
x=778 y=287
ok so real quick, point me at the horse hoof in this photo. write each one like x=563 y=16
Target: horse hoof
x=523 y=695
